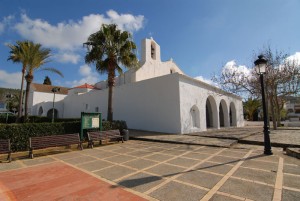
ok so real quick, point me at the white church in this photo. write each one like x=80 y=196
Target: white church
x=157 y=96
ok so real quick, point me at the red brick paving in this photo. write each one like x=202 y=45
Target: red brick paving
x=57 y=181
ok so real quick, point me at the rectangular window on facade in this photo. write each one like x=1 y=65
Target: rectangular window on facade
x=97 y=109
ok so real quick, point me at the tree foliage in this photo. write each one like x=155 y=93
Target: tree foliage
x=110 y=49
x=38 y=57
x=32 y=56
x=282 y=79
x=47 y=81
x=251 y=107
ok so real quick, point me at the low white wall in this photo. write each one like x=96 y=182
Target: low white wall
x=151 y=105
x=45 y=100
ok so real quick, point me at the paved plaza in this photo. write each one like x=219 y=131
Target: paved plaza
x=144 y=170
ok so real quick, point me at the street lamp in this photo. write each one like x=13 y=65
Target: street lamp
x=260 y=68
x=54 y=90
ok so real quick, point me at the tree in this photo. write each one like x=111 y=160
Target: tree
x=282 y=79
x=18 y=54
x=47 y=81
x=38 y=57
x=109 y=48
x=250 y=107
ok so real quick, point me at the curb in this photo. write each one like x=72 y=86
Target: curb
x=273 y=144
x=294 y=152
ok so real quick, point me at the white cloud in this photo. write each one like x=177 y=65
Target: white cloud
x=6 y=21
x=85 y=70
x=10 y=80
x=231 y=66
x=67 y=57
x=294 y=58
x=126 y=21
x=1 y=27
x=208 y=81
x=89 y=76
x=72 y=34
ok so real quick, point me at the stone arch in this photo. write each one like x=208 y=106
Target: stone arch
x=195 y=117
x=211 y=113
x=223 y=114
x=41 y=111
x=232 y=115
x=49 y=113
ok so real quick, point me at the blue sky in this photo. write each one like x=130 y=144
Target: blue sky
x=200 y=35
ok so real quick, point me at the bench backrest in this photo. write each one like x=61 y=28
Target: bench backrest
x=54 y=140
x=99 y=135
x=4 y=146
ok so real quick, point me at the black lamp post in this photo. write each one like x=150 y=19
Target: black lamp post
x=54 y=90
x=260 y=68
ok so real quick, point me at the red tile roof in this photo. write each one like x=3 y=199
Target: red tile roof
x=86 y=86
x=47 y=88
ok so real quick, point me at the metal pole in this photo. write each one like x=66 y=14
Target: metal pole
x=267 y=142
x=53 y=108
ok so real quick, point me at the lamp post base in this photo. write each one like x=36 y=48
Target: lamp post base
x=268 y=152
x=267 y=143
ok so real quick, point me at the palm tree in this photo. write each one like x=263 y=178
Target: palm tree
x=38 y=57
x=19 y=54
x=109 y=48
x=251 y=106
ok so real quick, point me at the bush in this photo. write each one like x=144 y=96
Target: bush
x=10 y=119
x=20 y=133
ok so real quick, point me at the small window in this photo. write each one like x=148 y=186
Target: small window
x=96 y=109
x=86 y=106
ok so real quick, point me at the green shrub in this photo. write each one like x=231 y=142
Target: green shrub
x=20 y=133
x=10 y=119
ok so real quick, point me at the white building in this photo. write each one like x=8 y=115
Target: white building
x=41 y=97
x=158 y=96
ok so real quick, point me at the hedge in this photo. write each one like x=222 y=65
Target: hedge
x=20 y=133
x=34 y=119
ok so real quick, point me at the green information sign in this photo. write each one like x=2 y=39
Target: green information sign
x=90 y=121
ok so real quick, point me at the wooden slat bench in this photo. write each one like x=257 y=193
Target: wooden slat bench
x=110 y=135
x=5 y=148
x=53 y=141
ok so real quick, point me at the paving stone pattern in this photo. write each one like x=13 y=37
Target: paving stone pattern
x=162 y=171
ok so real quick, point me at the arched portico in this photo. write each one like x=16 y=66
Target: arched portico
x=232 y=115
x=211 y=113
x=223 y=114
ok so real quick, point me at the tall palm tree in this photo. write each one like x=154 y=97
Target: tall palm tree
x=38 y=57
x=109 y=48
x=19 y=54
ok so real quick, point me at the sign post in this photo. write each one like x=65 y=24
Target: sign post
x=90 y=121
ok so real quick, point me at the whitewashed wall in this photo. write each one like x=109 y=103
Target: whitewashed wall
x=147 y=105
x=195 y=93
x=45 y=100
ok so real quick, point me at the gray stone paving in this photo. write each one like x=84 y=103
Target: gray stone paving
x=184 y=172
x=281 y=136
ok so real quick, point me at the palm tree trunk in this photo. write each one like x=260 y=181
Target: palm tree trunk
x=29 y=79
x=20 y=111
x=111 y=81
